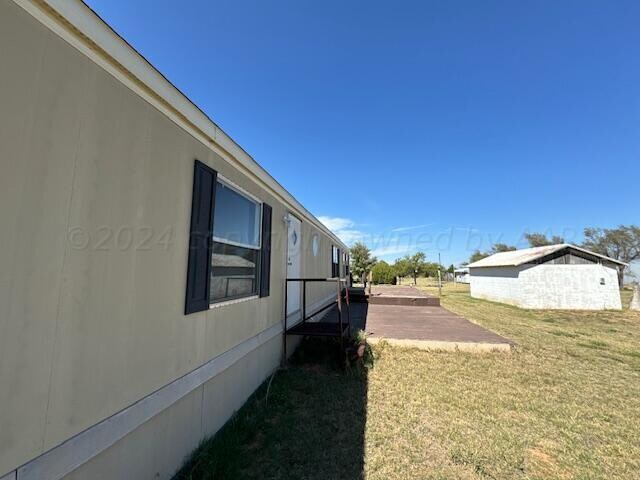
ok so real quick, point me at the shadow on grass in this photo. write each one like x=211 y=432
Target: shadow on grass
x=308 y=422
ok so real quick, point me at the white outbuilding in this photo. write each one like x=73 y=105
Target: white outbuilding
x=461 y=275
x=560 y=276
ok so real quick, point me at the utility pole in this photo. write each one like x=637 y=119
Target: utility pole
x=439 y=277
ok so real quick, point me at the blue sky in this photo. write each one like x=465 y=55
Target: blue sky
x=427 y=125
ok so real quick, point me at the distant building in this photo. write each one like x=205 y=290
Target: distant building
x=461 y=275
x=552 y=277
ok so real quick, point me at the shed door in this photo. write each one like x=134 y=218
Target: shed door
x=293 y=263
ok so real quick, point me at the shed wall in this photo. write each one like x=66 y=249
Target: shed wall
x=548 y=286
x=498 y=284
x=570 y=287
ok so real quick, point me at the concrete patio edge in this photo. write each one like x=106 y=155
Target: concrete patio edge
x=443 y=346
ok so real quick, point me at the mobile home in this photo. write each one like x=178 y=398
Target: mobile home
x=143 y=262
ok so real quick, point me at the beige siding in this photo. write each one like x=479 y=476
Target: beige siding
x=48 y=84
x=95 y=198
x=179 y=429
x=319 y=266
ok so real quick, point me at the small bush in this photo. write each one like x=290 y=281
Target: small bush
x=383 y=273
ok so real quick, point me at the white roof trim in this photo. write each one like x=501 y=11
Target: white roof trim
x=520 y=257
x=81 y=27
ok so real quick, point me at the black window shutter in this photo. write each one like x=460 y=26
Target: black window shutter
x=265 y=253
x=200 y=238
x=338 y=264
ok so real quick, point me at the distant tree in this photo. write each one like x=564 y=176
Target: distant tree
x=622 y=243
x=411 y=265
x=383 y=273
x=478 y=255
x=401 y=267
x=451 y=269
x=541 y=240
x=417 y=264
x=502 y=247
x=497 y=248
x=430 y=269
x=361 y=261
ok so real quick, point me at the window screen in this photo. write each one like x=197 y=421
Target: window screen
x=237 y=218
x=236 y=245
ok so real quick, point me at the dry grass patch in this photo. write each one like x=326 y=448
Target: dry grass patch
x=565 y=404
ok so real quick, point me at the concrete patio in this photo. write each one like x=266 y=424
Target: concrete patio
x=403 y=315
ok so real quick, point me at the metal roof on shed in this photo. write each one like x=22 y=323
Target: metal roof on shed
x=526 y=255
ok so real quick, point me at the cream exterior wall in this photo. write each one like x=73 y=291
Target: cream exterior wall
x=317 y=266
x=180 y=428
x=90 y=322
x=546 y=286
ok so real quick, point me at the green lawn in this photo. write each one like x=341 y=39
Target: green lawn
x=564 y=404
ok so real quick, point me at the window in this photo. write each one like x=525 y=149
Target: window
x=229 y=243
x=236 y=244
x=237 y=217
x=335 y=261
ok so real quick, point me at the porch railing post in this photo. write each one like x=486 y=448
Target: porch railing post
x=284 y=333
x=304 y=300
x=340 y=315
x=346 y=290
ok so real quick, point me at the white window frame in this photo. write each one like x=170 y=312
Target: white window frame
x=249 y=196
